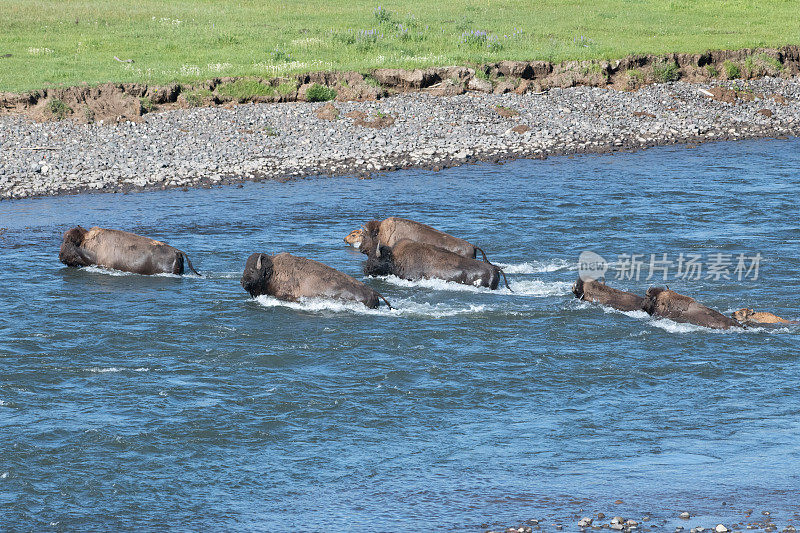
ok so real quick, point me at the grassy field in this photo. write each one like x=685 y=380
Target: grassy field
x=67 y=42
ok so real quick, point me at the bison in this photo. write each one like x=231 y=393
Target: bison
x=393 y=229
x=120 y=250
x=287 y=277
x=411 y=260
x=669 y=304
x=594 y=291
x=749 y=316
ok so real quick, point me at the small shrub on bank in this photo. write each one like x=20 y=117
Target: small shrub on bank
x=319 y=93
x=636 y=78
x=88 y=114
x=197 y=98
x=370 y=80
x=732 y=70
x=244 y=90
x=666 y=71
x=481 y=74
x=712 y=71
x=58 y=109
x=147 y=105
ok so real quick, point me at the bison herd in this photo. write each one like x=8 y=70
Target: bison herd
x=395 y=246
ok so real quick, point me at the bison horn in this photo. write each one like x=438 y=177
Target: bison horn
x=258 y=263
x=378 y=250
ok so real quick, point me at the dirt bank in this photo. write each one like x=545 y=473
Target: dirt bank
x=120 y=102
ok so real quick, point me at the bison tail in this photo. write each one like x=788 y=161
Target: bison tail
x=189 y=262
x=485 y=259
x=505 y=280
x=385 y=301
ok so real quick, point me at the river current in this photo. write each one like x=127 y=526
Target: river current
x=133 y=402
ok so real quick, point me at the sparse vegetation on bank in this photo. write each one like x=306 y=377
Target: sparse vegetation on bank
x=46 y=43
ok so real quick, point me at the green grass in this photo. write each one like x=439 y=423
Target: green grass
x=242 y=90
x=57 y=42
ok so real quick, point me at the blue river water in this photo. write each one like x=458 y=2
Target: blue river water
x=133 y=402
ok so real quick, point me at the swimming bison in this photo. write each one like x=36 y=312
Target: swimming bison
x=413 y=261
x=290 y=278
x=120 y=250
x=594 y=291
x=393 y=229
x=669 y=304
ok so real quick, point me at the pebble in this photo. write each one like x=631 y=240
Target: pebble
x=214 y=146
x=685 y=515
x=721 y=529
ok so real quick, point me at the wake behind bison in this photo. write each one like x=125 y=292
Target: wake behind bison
x=290 y=278
x=120 y=250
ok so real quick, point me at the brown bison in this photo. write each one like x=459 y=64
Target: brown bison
x=393 y=229
x=413 y=261
x=120 y=250
x=290 y=278
x=669 y=304
x=594 y=291
x=749 y=316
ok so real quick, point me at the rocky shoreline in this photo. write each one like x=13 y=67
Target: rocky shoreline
x=210 y=146
x=685 y=522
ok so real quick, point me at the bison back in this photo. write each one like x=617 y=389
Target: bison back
x=394 y=229
x=414 y=261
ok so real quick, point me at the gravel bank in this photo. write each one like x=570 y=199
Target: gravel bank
x=209 y=146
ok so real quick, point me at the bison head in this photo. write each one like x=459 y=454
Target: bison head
x=650 y=299
x=380 y=261
x=577 y=289
x=70 y=253
x=257 y=273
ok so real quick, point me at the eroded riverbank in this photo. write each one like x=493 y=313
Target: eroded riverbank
x=210 y=146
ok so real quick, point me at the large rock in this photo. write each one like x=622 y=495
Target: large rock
x=481 y=85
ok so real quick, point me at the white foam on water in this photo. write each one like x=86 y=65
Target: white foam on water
x=536 y=267
x=518 y=287
x=112 y=272
x=3 y=403
x=538 y=288
x=401 y=307
x=638 y=314
x=4 y=475
x=106 y=271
